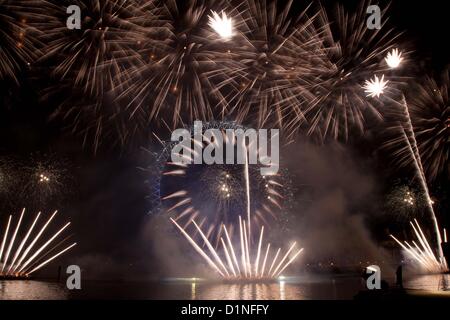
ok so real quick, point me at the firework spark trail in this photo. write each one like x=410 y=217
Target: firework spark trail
x=52 y=258
x=423 y=254
x=270 y=64
x=229 y=186
x=197 y=248
x=419 y=168
x=232 y=250
x=247 y=187
x=19 y=250
x=18 y=39
x=90 y=59
x=429 y=112
x=250 y=269
x=19 y=269
x=258 y=61
x=211 y=249
x=259 y=250
x=265 y=260
x=5 y=237
x=230 y=263
x=12 y=241
x=289 y=262
x=43 y=247
x=25 y=254
x=247 y=251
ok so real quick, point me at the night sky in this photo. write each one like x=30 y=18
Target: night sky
x=107 y=195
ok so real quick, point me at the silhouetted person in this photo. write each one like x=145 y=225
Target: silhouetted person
x=399 y=276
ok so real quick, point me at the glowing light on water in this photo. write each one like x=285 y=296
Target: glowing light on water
x=24 y=260
x=421 y=252
x=249 y=267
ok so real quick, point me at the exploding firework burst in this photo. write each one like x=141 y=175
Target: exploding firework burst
x=176 y=74
x=216 y=194
x=135 y=62
x=406 y=202
x=430 y=113
x=44 y=178
x=24 y=252
x=265 y=265
x=354 y=56
x=86 y=62
x=92 y=56
x=394 y=58
x=375 y=87
x=429 y=110
x=270 y=64
x=221 y=24
x=17 y=38
x=421 y=252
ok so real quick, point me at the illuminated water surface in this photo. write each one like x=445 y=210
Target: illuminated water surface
x=297 y=288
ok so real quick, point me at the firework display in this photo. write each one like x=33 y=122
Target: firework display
x=353 y=67
x=422 y=252
x=357 y=109
x=89 y=58
x=217 y=194
x=23 y=254
x=145 y=61
x=265 y=265
x=408 y=138
x=37 y=179
x=18 y=43
x=406 y=202
x=428 y=112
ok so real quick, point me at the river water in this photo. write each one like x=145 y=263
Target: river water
x=292 y=288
